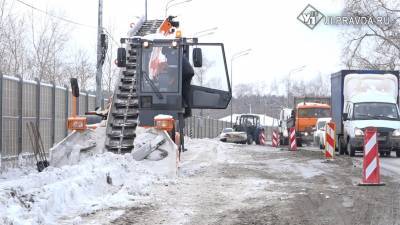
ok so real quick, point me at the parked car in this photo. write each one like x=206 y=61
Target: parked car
x=319 y=134
x=229 y=135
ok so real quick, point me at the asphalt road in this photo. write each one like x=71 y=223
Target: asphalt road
x=241 y=184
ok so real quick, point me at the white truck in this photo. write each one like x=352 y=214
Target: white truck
x=366 y=98
x=284 y=115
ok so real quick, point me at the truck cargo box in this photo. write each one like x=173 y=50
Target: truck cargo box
x=337 y=97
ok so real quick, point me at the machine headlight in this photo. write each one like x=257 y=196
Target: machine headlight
x=358 y=132
x=306 y=134
x=396 y=133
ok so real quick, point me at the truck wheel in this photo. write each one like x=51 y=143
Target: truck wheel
x=249 y=140
x=341 y=147
x=350 y=150
x=299 y=143
x=398 y=153
x=257 y=140
x=285 y=141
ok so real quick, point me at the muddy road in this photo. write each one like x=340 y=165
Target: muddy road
x=241 y=184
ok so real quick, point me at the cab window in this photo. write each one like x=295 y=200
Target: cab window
x=160 y=69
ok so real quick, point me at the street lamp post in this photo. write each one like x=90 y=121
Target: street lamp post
x=298 y=69
x=168 y=5
x=235 y=56
x=205 y=32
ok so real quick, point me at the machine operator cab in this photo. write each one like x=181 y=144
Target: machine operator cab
x=176 y=75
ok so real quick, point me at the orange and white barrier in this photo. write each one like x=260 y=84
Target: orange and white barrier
x=292 y=139
x=330 y=132
x=275 y=138
x=371 y=168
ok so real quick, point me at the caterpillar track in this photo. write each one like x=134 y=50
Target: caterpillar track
x=124 y=113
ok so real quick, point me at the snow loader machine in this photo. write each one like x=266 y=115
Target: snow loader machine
x=163 y=76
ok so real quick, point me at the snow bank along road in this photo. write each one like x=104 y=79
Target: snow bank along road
x=218 y=183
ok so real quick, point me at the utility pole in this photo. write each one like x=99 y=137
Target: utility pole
x=145 y=9
x=99 y=66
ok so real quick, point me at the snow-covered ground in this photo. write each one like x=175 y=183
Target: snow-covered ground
x=224 y=177
x=100 y=181
x=68 y=192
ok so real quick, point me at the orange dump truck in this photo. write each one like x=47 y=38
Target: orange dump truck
x=305 y=114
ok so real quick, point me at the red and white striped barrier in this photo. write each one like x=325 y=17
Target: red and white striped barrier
x=275 y=138
x=292 y=139
x=371 y=169
x=262 y=138
x=330 y=140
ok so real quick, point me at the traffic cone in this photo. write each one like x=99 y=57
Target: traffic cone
x=275 y=141
x=330 y=140
x=292 y=139
x=371 y=167
x=262 y=138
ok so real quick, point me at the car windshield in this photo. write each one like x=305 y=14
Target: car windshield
x=314 y=112
x=160 y=66
x=375 y=110
x=321 y=125
x=226 y=130
x=249 y=121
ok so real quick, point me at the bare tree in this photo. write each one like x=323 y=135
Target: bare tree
x=377 y=45
x=81 y=68
x=110 y=70
x=48 y=41
x=15 y=45
x=12 y=44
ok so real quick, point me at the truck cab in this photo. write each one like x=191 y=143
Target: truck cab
x=366 y=98
x=304 y=118
x=284 y=115
x=372 y=111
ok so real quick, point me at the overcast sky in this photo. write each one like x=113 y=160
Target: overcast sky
x=279 y=42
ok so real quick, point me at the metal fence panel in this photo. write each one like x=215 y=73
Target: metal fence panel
x=28 y=113
x=10 y=117
x=69 y=103
x=92 y=102
x=82 y=103
x=45 y=115
x=60 y=120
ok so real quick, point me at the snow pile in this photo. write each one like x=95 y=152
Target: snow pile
x=361 y=84
x=70 y=191
x=68 y=151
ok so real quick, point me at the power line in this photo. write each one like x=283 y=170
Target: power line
x=54 y=16
x=65 y=19
x=112 y=38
